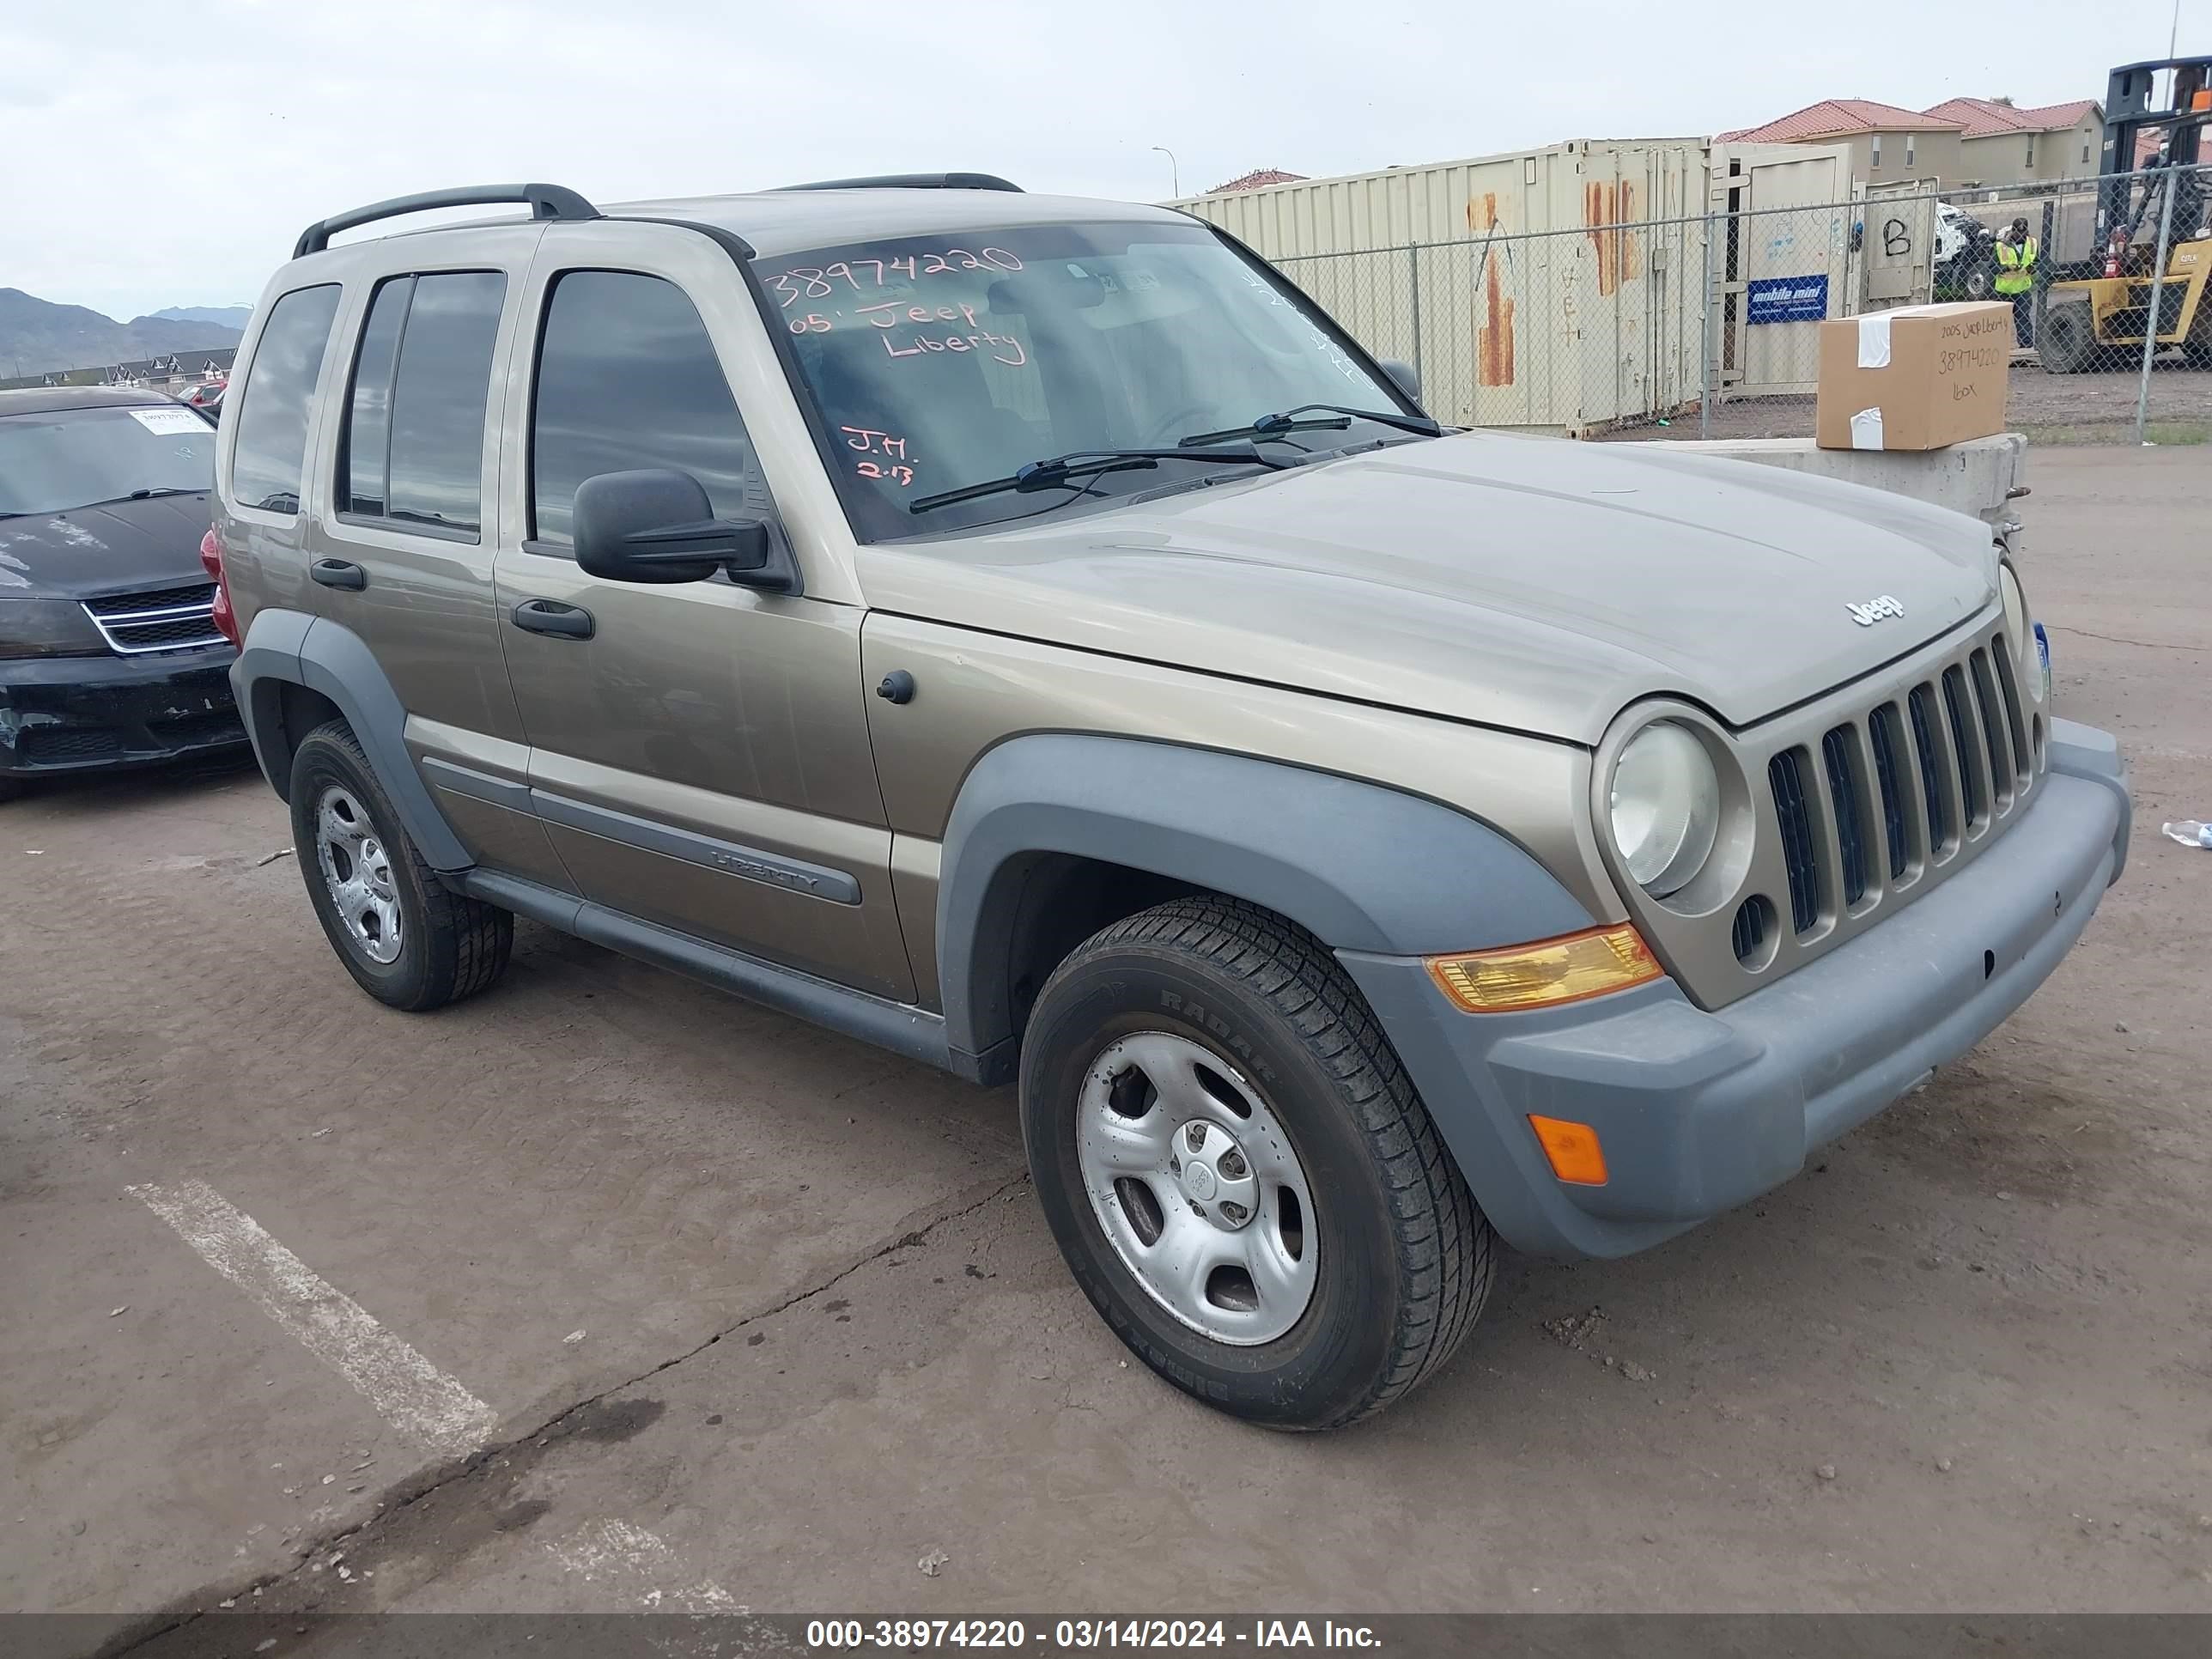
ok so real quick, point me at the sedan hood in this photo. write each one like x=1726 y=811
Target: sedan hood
x=1532 y=584
x=90 y=551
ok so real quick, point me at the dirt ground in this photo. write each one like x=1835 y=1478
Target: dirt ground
x=2055 y=408
x=754 y=1315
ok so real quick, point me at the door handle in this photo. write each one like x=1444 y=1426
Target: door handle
x=339 y=573
x=570 y=622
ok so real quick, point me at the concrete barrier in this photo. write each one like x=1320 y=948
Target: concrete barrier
x=1978 y=477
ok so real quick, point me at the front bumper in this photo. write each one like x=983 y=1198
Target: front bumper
x=85 y=714
x=1699 y=1112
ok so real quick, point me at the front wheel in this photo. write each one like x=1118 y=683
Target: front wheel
x=1238 y=1170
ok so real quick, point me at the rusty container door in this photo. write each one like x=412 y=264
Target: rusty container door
x=1555 y=289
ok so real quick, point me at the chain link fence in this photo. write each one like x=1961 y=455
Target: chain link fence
x=1709 y=325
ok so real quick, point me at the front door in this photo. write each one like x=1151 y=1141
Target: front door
x=698 y=751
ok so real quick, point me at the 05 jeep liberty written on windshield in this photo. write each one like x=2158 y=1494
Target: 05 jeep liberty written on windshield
x=1029 y=635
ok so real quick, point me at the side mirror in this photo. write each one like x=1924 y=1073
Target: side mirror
x=657 y=525
x=1407 y=377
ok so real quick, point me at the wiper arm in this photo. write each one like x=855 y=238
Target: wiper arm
x=1061 y=470
x=1337 y=417
x=147 y=495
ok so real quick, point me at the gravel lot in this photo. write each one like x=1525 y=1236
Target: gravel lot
x=753 y=1315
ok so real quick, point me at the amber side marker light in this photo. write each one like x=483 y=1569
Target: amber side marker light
x=1549 y=972
x=1573 y=1149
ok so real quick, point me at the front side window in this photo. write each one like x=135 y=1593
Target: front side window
x=60 y=459
x=627 y=379
x=933 y=367
x=269 y=454
x=412 y=450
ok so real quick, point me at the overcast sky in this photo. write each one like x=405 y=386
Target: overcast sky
x=166 y=154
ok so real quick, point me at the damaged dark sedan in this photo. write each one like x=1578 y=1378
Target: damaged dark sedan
x=111 y=653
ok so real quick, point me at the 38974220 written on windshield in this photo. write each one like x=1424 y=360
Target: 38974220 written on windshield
x=934 y=365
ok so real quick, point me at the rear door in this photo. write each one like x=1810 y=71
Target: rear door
x=699 y=752
x=402 y=546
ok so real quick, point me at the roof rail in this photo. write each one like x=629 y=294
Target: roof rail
x=912 y=181
x=546 y=202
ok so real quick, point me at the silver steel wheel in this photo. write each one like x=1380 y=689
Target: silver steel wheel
x=356 y=869
x=1196 y=1187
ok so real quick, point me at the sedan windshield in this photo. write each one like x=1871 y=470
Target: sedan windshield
x=934 y=367
x=61 y=459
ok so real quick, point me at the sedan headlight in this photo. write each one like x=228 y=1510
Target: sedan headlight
x=46 y=628
x=1666 y=806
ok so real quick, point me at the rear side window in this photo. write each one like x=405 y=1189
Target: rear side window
x=412 y=450
x=271 y=450
x=627 y=378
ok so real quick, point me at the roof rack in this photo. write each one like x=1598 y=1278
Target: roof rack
x=545 y=201
x=914 y=181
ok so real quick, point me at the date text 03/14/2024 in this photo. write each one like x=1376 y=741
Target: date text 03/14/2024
x=831 y=1635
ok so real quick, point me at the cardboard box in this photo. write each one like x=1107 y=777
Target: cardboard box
x=1918 y=377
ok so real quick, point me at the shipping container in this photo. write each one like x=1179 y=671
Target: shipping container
x=1561 y=289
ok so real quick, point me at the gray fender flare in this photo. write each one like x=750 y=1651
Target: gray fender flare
x=1360 y=867
x=291 y=646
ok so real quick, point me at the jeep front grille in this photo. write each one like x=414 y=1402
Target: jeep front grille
x=157 y=619
x=1983 y=767
x=1794 y=814
x=1863 y=800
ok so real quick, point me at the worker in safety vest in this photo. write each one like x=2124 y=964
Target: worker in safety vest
x=2016 y=279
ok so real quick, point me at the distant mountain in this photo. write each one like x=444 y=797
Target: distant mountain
x=224 y=316
x=37 y=335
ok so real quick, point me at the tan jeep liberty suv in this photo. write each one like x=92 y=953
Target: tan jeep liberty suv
x=1028 y=634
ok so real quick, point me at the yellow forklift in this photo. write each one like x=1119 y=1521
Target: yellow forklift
x=2093 y=315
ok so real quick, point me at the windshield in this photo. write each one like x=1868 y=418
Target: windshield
x=934 y=366
x=59 y=458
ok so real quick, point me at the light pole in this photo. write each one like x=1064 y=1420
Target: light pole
x=1175 y=173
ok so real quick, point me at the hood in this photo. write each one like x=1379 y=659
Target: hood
x=1534 y=584
x=89 y=551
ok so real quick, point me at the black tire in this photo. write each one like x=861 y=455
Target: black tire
x=1976 y=278
x=2066 y=344
x=9 y=788
x=1406 y=1258
x=449 y=946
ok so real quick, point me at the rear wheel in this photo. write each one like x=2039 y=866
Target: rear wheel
x=1238 y=1171
x=2068 y=341
x=406 y=940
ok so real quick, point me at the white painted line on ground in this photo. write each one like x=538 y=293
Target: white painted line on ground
x=624 y=1557
x=413 y=1396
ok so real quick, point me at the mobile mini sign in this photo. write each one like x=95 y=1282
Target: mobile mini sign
x=1787 y=298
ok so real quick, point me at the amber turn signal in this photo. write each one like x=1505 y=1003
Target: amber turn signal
x=1572 y=1148
x=1548 y=972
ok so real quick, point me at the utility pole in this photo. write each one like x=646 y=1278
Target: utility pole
x=1175 y=173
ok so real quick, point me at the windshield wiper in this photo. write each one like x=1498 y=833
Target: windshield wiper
x=1061 y=470
x=147 y=495
x=1337 y=417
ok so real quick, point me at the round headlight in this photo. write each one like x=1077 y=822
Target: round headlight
x=2016 y=616
x=1666 y=801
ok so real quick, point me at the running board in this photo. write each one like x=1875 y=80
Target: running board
x=904 y=1029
